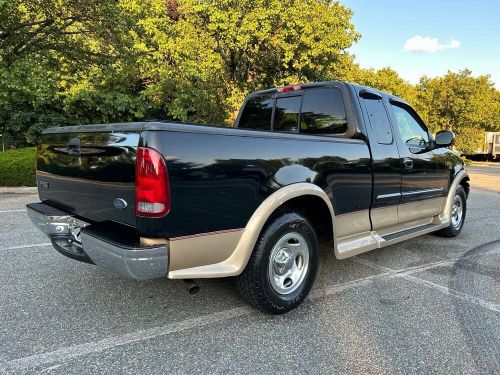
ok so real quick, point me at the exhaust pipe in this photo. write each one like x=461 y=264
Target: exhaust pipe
x=191 y=286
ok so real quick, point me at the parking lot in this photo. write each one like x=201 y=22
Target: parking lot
x=427 y=305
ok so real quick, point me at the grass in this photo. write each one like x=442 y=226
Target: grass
x=17 y=167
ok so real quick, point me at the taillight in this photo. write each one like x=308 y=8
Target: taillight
x=152 y=187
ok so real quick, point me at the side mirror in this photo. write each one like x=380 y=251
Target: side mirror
x=444 y=138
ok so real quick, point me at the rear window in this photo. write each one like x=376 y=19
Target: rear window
x=323 y=112
x=257 y=113
x=286 y=114
x=310 y=111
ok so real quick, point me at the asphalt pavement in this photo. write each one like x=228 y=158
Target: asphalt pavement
x=427 y=305
x=489 y=169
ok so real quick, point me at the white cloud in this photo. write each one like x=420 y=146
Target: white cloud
x=427 y=44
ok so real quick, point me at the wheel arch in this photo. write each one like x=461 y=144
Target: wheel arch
x=461 y=179
x=465 y=183
x=313 y=208
x=293 y=197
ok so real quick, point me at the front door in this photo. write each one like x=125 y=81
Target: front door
x=424 y=179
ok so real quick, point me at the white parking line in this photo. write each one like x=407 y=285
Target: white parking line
x=71 y=352
x=6 y=211
x=25 y=246
x=405 y=274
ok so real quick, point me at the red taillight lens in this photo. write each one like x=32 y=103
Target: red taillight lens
x=152 y=187
x=289 y=88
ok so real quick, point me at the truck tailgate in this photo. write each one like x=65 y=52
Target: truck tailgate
x=90 y=173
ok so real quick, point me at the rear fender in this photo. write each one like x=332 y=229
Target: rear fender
x=237 y=261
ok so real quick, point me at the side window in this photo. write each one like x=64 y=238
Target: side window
x=257 y=113
x=379 y=121
x=412 y=132
x=286 y=114
x=323 y=112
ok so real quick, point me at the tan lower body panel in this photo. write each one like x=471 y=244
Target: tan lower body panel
x=391 y=220
x=202 y=249
x=354 y=222
x=426 y=208
x=383 y=217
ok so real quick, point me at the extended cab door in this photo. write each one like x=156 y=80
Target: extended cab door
x=424 y=179
x=385 y=160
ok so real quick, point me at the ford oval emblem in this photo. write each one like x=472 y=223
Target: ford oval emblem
x=120 y=203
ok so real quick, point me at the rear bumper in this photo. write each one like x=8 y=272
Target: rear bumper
x=108 y=249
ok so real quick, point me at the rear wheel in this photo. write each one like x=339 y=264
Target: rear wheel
x=458 y=211
x=283 y=265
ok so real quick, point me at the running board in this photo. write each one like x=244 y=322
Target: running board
x=359 y=243
x=403 y=233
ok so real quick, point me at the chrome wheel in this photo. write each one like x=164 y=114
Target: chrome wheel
x=288 y=263
x=457 y=212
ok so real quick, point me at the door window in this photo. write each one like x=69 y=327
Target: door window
x=411 y=130
x=379 y=121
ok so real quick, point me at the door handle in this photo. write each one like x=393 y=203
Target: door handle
x=408 y=163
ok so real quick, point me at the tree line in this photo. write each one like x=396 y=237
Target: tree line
x=69 y=62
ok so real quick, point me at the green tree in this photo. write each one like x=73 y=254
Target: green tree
x=82 y=31
x=385 y=79
x=219 y=51
x=460 y=102
x=59 y=63
x=87 y=61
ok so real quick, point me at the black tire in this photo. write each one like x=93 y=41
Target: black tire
x=455 y=228
x=255 y=284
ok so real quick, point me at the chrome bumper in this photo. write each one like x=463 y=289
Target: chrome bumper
x=78 y=240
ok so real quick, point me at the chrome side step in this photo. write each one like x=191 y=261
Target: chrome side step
x=403 y=233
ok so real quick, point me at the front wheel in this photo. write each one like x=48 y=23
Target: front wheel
x=283 y=265
x=458 y=211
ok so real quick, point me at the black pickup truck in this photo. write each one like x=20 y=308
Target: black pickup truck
x=183 y=201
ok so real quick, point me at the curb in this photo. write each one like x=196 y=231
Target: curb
x=18 y=190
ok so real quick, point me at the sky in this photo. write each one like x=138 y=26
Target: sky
x=426 y=37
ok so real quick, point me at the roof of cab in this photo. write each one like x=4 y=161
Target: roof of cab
x=356 y=86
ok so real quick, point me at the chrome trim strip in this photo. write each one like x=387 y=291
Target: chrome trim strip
x=407 y=193
x=423 y=191
x=385 y=196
